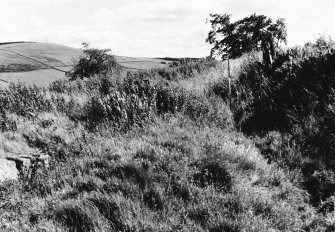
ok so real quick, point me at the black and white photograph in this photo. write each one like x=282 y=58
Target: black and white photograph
x=167 y=116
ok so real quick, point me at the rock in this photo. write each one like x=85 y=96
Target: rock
x=14 y=165
x=8 y=170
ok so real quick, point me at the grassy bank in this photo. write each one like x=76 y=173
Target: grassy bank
x=145 y=151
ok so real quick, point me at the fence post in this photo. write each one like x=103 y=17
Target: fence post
x=229 y=85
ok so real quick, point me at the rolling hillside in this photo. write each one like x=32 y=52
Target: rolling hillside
x=51 y=54
x=16 y=65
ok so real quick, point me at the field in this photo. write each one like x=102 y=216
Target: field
x=141 y=63
x=14 y=67
x=51 y=54
x=41 y=77
x=162 y=149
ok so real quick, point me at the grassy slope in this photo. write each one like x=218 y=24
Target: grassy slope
x=60 y=56
x=141 y=62
x=56 y=56
x=51 y=54
x=144 y=178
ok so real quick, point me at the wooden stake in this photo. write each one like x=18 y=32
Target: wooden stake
x=229 y=85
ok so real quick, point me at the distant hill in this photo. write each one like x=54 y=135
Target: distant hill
x=179 y=59
x=51 y=54
x=56 y=55
x=20 y=61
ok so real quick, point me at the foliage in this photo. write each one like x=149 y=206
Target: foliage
x=276 y=99
x=132 y=151
x=93 y=62
x=252 y=33
x=24 y=100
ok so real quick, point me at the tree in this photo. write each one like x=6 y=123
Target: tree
x=253 y=33
x=93 y=62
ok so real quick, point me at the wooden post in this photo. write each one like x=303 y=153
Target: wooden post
x=229 y=84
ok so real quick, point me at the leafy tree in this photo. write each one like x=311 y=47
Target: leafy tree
x=93 y=62
x=255 y=32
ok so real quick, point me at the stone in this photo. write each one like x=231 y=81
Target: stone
x=13 y=165
x=8 y=170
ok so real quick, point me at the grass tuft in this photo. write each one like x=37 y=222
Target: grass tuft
x=153 y=200
x=215 y=174
x=72 y=215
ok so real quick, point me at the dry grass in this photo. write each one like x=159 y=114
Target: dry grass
x=182 y=170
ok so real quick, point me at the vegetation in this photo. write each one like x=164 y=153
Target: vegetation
x=93 y=62
x=271 y=104
x=252 y=33
x=160 y=150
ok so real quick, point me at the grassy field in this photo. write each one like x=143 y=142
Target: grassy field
x=15 y=68
x=62 y=56
x=161 y=150
x=52 y=54
x=128 y=154
x=41 y=77
x=141 y=62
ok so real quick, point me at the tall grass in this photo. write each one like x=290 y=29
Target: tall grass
x=132 y=151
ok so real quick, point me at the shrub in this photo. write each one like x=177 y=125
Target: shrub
x=93 y=62
x=276 y=98
x=24 y=100
x=186 y=68
x=6 y=124
x=295 y=97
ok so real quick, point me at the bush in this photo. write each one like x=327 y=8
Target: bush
x=296 y=98
x=24 y=100
x=93 y=62
x=186 y=68
x=276 y=98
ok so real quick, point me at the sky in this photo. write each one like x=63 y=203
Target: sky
x=152 y=28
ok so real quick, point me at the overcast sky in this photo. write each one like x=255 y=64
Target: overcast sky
x=152 y=28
